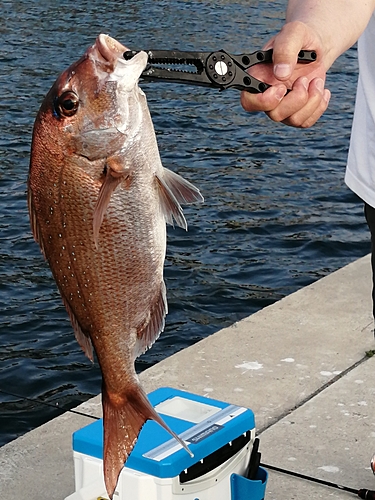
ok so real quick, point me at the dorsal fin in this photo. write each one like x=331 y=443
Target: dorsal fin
x=174 y=190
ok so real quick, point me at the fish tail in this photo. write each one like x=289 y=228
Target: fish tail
x=124 y=415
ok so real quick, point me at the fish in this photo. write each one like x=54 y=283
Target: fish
x=99 y=199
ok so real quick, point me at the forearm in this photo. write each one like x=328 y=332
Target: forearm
x=338 y=23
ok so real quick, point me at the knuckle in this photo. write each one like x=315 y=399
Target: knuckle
x=295 y=121
x=275 y=116
x=308 y=123
x=248 y=102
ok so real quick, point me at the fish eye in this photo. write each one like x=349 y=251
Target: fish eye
x=67 y=104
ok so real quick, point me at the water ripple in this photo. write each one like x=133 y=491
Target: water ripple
x=276 y=217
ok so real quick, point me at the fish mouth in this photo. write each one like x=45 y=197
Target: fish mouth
x=112 y=52
x=109 y=48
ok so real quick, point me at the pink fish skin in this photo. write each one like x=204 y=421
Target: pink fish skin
x=99 y=199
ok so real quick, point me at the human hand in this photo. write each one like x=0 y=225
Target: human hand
x=308 y=99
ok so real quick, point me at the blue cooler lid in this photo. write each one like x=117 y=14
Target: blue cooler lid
x=205 y=424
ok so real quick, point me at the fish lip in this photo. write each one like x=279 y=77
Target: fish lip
x=112 y=52
x=109 y=48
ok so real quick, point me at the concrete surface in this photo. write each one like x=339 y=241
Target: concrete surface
x=300 y=365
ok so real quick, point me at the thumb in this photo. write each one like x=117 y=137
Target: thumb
x=286 y=46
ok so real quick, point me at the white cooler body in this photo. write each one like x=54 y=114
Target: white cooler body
x=220 y=436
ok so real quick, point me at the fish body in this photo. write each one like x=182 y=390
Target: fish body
x=99 y=199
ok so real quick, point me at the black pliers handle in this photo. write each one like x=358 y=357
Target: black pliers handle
x=210 y=69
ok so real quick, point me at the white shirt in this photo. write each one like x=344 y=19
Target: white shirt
x=360 y=171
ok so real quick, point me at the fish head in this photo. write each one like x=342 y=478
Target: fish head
x=95 y=106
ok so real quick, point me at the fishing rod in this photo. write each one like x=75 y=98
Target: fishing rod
x=254 y=464
x=362 y=493
x=61 y=409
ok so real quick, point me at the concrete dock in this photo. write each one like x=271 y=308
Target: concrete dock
x=303 y=365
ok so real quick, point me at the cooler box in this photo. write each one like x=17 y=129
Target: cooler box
x=219 y=434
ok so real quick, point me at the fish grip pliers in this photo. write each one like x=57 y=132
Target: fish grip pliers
x=217 y=69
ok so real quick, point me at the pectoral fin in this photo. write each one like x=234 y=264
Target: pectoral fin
x=115 y=173
x=174 y=190
x=109 y=185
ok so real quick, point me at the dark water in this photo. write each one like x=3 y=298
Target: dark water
x=277 y=215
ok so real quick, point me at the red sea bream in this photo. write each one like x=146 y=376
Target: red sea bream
x=99 y=199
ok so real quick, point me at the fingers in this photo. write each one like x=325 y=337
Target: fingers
x=267 y=101
x=301 y=107
x=304 y=105
x=286 y=46
x=309 y=115
x=307 y=101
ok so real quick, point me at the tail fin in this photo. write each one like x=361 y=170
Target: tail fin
x=124 y=416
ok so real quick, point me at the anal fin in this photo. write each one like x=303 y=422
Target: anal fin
x=148 y=333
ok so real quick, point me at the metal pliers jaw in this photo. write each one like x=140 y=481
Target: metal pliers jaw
x=210 y=69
